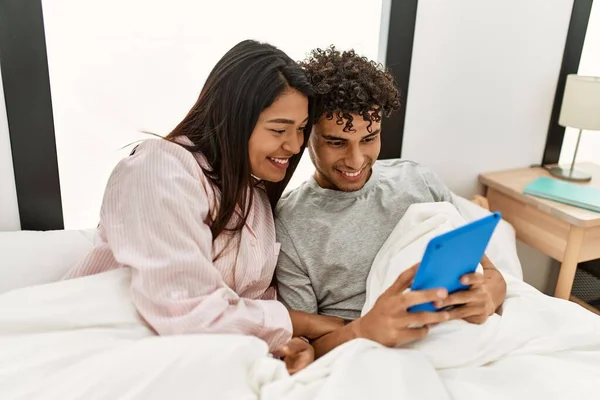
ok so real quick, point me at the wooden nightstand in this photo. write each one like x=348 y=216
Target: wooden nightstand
x=568 y=234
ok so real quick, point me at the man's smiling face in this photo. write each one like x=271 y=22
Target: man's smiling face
x=343 y=160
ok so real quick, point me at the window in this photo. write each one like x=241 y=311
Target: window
x=118 y=68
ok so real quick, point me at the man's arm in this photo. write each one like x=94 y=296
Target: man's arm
x=486 y=296
x=389 y=322
x=325 y=344
x=495 y=282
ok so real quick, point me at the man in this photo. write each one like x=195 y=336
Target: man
x=332 y=226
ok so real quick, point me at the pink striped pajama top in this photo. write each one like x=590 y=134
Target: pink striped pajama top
x=154 y=220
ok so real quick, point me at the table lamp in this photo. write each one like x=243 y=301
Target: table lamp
x=580 y=109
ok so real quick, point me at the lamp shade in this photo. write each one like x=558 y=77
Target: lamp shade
x=581 y=103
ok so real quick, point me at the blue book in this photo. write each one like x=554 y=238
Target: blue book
x=565 y=192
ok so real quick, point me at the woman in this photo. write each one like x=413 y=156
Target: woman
x=192 y=215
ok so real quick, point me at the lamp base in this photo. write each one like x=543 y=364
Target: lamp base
x=570 y=175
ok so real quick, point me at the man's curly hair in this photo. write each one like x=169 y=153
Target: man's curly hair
x=346 y=83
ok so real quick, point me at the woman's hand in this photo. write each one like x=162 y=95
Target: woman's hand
x=297 y=354
x=313 y=326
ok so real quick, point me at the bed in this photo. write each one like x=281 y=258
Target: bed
x=83 y=339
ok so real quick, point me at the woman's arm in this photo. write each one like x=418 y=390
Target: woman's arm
x=154 y=213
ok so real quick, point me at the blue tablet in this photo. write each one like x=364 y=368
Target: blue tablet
x=451 y=255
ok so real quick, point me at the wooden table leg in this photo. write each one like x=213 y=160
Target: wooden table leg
x=568 y=267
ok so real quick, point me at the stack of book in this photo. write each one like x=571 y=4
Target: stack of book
x=573 y=194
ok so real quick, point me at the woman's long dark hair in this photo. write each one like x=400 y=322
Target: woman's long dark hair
x=245 y=81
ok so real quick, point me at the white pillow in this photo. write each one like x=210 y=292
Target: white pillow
x=502 y=249
x=30 y=257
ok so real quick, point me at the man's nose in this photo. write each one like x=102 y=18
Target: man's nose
x=355 y=158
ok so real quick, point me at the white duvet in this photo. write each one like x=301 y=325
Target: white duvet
x=82 y=339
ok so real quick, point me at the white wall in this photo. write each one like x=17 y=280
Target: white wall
x=137 y=65
x=9 y=210
x=589 y=148
x=482 y=84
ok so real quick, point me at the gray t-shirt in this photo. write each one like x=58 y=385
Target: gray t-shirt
x=330 y=238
